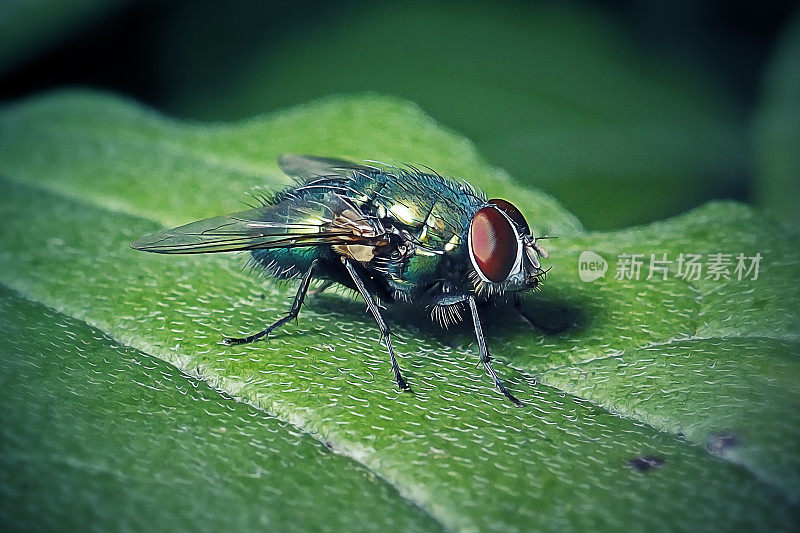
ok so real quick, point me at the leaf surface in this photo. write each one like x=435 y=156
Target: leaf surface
x=96 y=433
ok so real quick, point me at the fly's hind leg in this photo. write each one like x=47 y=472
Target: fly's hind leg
x=523 y=315
x=292 y=314
x=320 y=289
x=385 y=333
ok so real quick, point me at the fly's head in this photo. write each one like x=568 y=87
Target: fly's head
x=503 y=252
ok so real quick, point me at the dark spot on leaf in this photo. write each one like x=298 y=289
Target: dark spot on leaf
x=721 y=442
x=645 y=463
x=329 y=444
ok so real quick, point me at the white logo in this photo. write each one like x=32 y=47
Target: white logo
x=591 y=266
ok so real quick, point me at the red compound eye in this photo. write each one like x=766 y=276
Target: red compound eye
x=513 y=213
x=494 y=244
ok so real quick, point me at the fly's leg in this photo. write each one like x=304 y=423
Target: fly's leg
x=292 y=314
x=320 y=289
x=385 y=333
x=484 y=353
x=521 y=312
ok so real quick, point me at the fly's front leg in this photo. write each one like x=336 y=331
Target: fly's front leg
x=484 y=352
x=385 y=333
x=292 y=314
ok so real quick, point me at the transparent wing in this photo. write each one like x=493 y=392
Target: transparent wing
x=294 y=222
x=246 y=230
x=309 y=167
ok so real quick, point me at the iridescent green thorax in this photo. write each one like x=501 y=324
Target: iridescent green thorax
x=435 y=211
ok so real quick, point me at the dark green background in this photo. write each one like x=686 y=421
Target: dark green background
x=626 y=112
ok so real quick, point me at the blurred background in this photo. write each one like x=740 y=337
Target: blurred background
x=625 y=111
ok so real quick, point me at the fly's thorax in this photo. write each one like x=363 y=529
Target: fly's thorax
x=425 y=217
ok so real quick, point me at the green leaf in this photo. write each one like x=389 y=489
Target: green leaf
x=640 y=380
x=777 y=130
x=96 y=433
x=564 y=96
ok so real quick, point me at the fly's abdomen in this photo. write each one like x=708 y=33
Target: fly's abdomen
x=285 y=263
x=303 y=223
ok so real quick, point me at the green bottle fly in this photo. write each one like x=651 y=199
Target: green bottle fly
x=391 y=234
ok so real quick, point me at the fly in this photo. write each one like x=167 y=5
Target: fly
x=390 y=234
